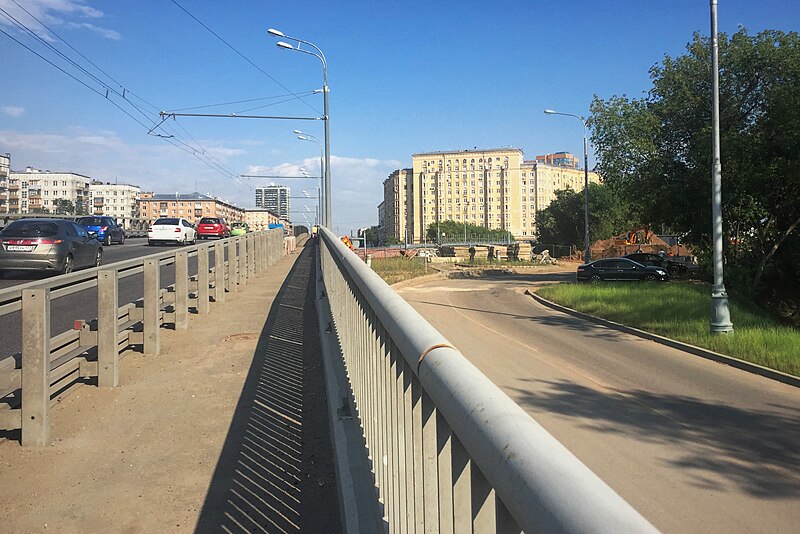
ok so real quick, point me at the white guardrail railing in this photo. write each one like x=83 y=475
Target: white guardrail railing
x=449 y=451
x=49 y=364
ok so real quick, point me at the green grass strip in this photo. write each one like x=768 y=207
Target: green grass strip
x=682 y=311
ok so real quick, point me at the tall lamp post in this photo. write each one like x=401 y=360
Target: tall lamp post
x=587 y=256
x=720 y=312
x=308 y=137
x=319 y=55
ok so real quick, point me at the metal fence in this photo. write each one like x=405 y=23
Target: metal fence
x=50 y=363
x=450 y=452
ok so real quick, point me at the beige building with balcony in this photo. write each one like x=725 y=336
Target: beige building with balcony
x=114 y=200
x=5 y=170
x=496 y=188
x=191 y=206
x=260 y=218
x=34 y=190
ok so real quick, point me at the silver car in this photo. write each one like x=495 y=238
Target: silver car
x=53 y=245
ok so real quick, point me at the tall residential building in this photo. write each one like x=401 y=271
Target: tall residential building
x=274 y=198
x=495 y=188
x=191 y=206
x=115 y=200
x=5 y=169
x=559 y=159
x=42 y=190
x=394 y=204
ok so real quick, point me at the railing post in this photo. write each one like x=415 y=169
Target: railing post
x=181 y=290
x=257 y=253
x=233 y=283
x=251 y=257
x=107 y=328
x=219 y=272
x=203 y=292
x=152 y=307
x=243 y=253
x=35 y=367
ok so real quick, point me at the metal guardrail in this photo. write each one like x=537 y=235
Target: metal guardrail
x=50 y=364
x=450 y=452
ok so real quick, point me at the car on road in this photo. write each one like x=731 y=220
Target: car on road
x=239 y=228
x=213 y=227
x=673 y=268
x=171 y=230
x=621 y=269
x=106 y=228
x=50 y=245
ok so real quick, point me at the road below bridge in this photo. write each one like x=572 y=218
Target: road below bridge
x=695 y=446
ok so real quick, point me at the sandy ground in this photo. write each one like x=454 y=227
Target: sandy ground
x=140 y=457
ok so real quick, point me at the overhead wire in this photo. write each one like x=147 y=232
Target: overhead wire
x=200 y=153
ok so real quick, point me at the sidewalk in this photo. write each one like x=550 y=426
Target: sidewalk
x=225 y=430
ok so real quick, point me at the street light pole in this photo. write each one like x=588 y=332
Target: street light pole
x=308 y=137
x=587 y=255
x=720 y=312
x=326 y=116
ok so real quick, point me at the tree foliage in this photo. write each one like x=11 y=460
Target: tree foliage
x=656 y=152
x=562 y=222
x=454 y=230
x=63 y=206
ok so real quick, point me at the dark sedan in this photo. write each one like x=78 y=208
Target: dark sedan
x=621 y=269
x=674 y=268
x=53 y=245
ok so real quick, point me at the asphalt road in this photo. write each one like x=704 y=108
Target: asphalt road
x=83 y=305
x=694 y=445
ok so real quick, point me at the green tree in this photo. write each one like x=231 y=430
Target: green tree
x=562 y=222
x=63 y=206
x=655 y=151
x=454 y=230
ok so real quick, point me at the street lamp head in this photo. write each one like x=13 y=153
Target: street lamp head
x=297 y=131
x=303 y=138
x=273 y=31
x=282 y=44
x=550 y=111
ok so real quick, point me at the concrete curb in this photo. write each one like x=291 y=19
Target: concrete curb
x=685 y=347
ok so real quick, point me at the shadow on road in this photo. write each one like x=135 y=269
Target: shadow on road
x=758 y=451
x=275 y=472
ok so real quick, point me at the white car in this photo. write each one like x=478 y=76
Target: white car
x=171 y=229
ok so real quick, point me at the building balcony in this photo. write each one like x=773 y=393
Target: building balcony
x=13 y=186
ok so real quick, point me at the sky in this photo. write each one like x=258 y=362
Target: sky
x=405 y=77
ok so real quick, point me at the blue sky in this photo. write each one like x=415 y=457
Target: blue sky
x=405 y=77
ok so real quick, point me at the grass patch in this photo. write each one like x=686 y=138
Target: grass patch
x=682 y=312
x=394 y=270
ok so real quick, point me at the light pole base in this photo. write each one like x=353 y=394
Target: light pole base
x=720 y=311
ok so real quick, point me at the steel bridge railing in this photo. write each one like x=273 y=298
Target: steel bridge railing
x=450 y=452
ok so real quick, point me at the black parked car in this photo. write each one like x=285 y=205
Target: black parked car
x=52 y=245
x=673 y=268
x=620 y=269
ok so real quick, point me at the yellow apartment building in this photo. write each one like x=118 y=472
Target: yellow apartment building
x=496 y=188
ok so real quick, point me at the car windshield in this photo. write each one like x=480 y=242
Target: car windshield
x=90 y=221
x=238 y=225
x=29 y=229
x=166 y=222
x=209 y=220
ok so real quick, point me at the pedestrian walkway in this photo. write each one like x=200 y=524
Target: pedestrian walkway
x=225 y=430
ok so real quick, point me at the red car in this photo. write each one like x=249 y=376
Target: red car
x=213 y=227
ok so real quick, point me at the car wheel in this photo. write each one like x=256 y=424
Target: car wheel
x=595 y=279
x=69 y=265
x=98 y=257
x=674 y=270
x=107 y=240
x=649 y=277
x=122 y=240
x=185 y=240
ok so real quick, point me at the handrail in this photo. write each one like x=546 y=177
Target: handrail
x=538 y=484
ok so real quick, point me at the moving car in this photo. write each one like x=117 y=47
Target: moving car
x=622 y=269
x=171 y=230
x=674 y=268
x=106 y=228
x=213 y=227
x=239 y=228
x=53 y=245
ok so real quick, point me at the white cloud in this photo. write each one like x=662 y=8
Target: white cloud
x=55 y=13
x=13 y=111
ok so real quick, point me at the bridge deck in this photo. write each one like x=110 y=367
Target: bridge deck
x=225 y=430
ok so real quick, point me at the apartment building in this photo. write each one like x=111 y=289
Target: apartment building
x=559 y=159
x=5 y=169
x=260 y=218
x=119 y=201
x=275 y=198
x=190 y=206
x=496 y=188
x=392 y=214
x=35 y=190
